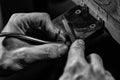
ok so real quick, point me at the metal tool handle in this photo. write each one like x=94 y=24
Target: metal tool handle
x=24 y=37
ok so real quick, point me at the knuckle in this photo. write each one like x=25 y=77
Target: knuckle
x=16 y=17
x=46 y=15
x=15 y=14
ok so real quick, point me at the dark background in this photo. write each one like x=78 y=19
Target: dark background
x=103 y=45
x=53 y=7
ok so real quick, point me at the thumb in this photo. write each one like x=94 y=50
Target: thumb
x=76 y=53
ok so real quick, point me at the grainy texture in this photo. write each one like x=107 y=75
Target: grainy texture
x=77 y=68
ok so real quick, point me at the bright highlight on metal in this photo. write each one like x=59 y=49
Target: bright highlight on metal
x=68 y=30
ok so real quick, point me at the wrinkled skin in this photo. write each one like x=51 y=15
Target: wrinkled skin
x=77 y=68
x=13 y=49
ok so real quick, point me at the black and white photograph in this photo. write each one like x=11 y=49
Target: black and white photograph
x=59 y=39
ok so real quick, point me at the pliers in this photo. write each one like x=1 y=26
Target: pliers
x=68 y=30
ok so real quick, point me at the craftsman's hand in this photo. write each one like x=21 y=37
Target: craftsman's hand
x=77 y=68
x=12 y=49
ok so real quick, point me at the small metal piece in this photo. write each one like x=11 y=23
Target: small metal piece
x=60 y=37
x=68 y=30
x=98 y=18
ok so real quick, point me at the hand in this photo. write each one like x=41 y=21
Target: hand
x=13 y=49
x=77 y=68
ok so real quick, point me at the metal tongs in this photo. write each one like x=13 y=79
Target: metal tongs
x=24 y=37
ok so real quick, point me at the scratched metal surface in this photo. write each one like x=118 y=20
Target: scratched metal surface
x=80 y=21
x=107 y=10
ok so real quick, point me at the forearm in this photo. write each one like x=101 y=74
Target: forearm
x=113 y=27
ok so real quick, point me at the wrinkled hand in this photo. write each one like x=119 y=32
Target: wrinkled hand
x=77 y=68
x=13 y=49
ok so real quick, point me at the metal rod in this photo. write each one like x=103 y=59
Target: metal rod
x=68 y=30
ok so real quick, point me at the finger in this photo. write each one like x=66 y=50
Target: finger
x=96 y=63
x=14 y=23
x=43 y=21
x=76 y=53
x=21 y=22
x=33 y=53
x=52 y=50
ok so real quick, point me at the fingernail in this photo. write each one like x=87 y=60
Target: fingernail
x=60 y=45
x=63 y=46
x=79 y=43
